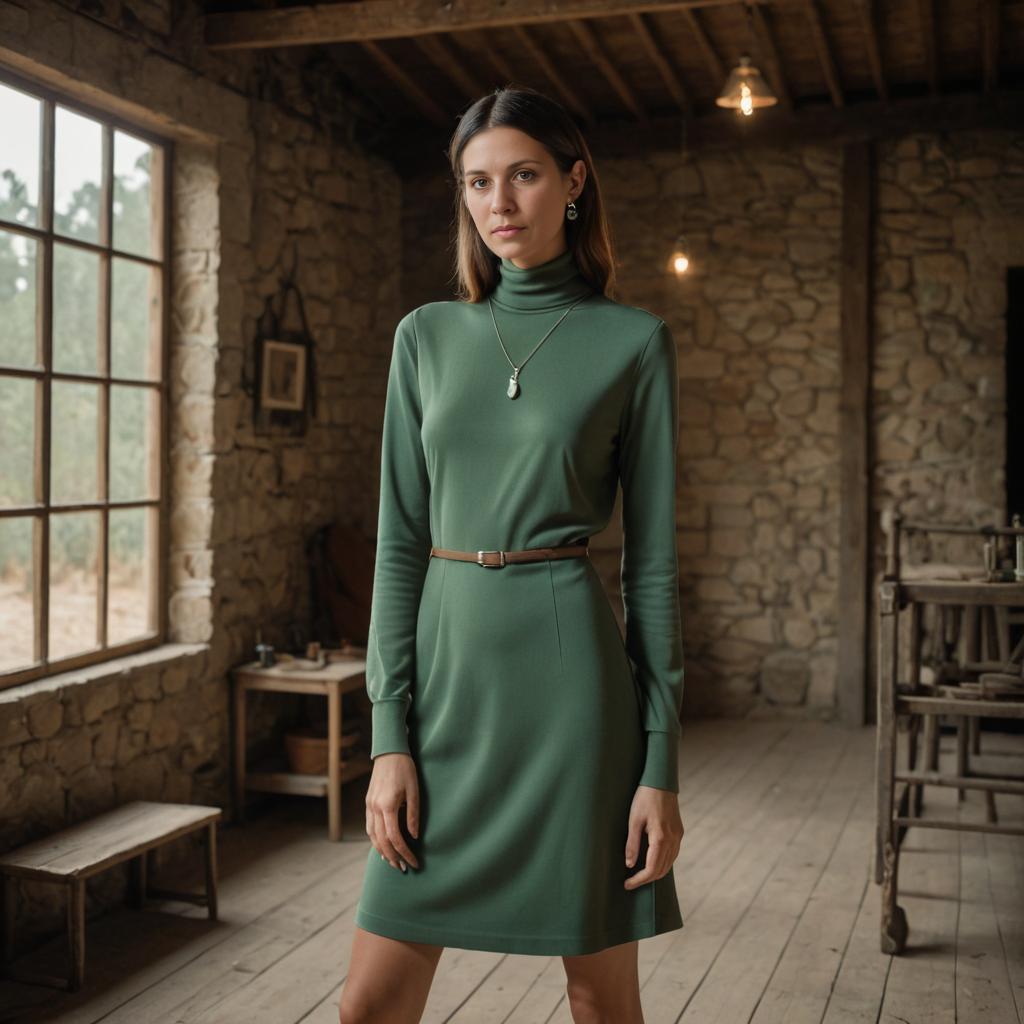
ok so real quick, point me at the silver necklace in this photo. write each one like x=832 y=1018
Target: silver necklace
x=513 y=382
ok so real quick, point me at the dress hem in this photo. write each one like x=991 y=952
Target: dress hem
x=536 y=945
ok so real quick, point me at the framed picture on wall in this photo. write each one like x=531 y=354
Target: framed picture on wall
x=283 y=381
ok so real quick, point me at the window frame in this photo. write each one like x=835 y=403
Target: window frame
x=41 y=511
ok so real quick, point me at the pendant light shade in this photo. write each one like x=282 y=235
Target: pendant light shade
x=745 y=89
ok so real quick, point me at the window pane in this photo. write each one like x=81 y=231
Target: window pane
x=134 y=442
x=78 y=175
x=136 y=172
x=133 y=558
x=74 y=443
x=21 y=117
x=73 y=582
x=76 y=300
x=17 y=594
x=17 y=442
x=135 y=323
x=19 y=301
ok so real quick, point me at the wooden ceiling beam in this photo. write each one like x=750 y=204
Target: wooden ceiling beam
x=990 y=44
x=431 y=109
x=598 y=55
x=929 y=45
x=498 y=62
x=569 y=96
x=869 y=28
x=825 y=55
x=770 y=56
x=672 y=81
x=722 y=130
x=391 y=19
x=712 y=61
x=439 y=50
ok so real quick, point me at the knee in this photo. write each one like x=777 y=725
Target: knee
x=354 y=1008
x=584 y=1003
x=598 y=1004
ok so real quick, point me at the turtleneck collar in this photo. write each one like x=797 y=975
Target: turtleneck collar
x=551 y=285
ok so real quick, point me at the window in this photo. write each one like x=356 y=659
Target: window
x=83 y=388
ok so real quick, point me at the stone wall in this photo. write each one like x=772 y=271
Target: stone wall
x=262 y=162
x=756 y=320
x=950 y=222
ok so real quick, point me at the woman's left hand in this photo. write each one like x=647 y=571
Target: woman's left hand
x=655 y=811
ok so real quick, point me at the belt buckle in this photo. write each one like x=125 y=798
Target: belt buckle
x=490 y=565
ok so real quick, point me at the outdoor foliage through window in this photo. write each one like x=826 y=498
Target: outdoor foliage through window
x=81 y=349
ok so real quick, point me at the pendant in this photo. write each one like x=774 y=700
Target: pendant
x=513 y=385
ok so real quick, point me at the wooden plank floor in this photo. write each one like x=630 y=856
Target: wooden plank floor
x=781 y=916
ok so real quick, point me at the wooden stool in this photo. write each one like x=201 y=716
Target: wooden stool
x=72 y=855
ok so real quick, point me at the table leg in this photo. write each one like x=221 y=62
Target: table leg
x=211 y=870
x=137 y=880
x=894 y=922
x=8 y=893
x=333 y=761
x=885 y=728
x=76 y=932
x=239 y=773
x=961 y=752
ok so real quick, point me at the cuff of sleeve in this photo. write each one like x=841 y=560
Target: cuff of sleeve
x=389 y=732
x=661 y=766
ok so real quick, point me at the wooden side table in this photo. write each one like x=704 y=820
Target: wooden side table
x=337 y=677
x=902 y=697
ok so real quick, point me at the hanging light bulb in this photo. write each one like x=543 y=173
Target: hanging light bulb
x=745 y=89
x=679 y=261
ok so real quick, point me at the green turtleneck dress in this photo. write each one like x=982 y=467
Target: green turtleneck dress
x=530 y=722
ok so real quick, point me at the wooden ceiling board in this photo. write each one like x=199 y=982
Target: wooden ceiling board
x=676 y=38
x=801 y=66
x=850 y=49
x=424 y=71
x=559 y=44
x=646 y=68
x=629 y=55
x=903 y=56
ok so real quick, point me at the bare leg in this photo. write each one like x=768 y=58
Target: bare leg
x=388 y=980
x=604 y=988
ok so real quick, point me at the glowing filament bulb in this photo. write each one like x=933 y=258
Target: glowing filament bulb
x=746 y=100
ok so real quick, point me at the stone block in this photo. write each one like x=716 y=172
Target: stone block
x=785 y=678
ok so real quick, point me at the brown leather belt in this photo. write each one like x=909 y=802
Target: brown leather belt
x=498 y=559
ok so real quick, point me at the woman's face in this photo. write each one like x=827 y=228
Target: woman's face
x=509 y=178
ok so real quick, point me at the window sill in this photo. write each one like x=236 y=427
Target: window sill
x=156 y=658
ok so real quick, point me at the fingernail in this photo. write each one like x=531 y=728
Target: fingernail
x=401 y=864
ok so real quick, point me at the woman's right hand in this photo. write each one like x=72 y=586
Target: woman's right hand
x=393 y=782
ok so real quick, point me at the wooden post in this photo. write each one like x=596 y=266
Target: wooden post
x=855 y=571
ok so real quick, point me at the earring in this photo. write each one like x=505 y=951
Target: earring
x=571 y=212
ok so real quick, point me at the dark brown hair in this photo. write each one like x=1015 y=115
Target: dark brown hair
x=542 y=118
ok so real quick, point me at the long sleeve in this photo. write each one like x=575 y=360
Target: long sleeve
x=403 y=550
x=649 y=572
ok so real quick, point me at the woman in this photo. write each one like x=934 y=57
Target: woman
x=533 y=753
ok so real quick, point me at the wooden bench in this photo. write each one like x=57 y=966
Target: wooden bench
x=70 y=856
